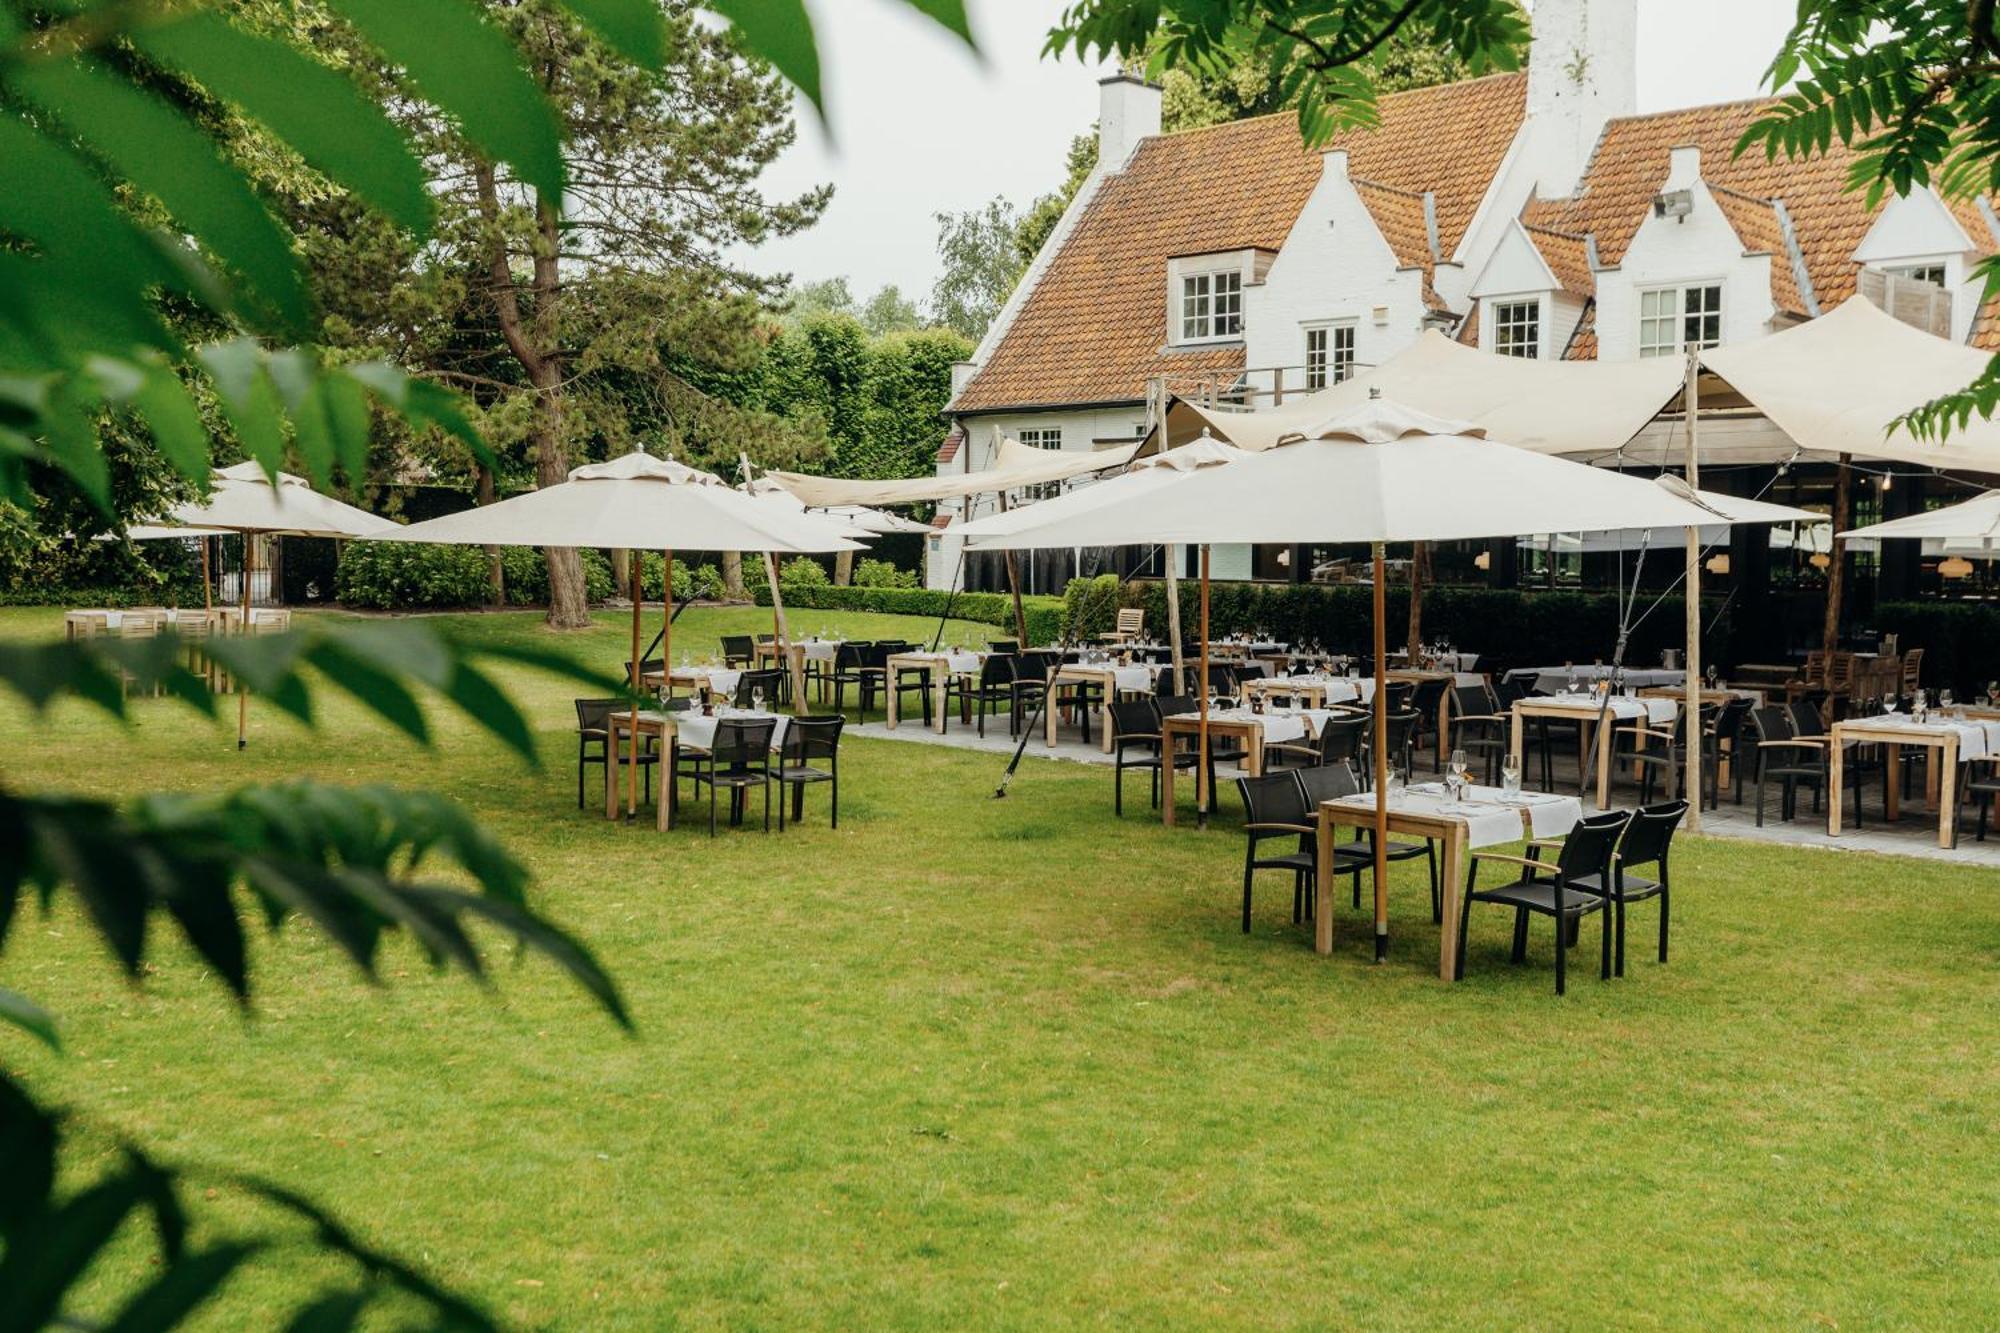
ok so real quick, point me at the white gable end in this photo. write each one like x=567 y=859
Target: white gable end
x=1912 y=226
x=1516 y=267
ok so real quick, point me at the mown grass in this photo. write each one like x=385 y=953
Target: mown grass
x=1012 y=1063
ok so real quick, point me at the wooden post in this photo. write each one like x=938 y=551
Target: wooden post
x=779 y=632
x=206 y=604
x=1836 y=572
x=242 y=690
x=1014 y=585
x=1381 y=747
x=1420 y=568
x=1691 y=727
x=637 y=563
x=1201 y=791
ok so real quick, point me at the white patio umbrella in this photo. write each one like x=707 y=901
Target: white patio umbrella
x=1376 y=473
x=244 y=499
x=638 y=502
x=1973 y=525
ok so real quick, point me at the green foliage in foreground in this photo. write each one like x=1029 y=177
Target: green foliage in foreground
x=1012 y=1064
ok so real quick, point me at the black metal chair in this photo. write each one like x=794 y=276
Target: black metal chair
x=593 y=727
x=1084 y=696
x=1275 y=807
x=1982 y=788
x=809 y=741
x=1722 y=741
x=738 y=650
x=1792 y=760
x=1010 y=647
x=739 y=760
x=1424 y=703
x=1648 y=841
x=1402 y=728
x=850 y=667
x=647 y=667
x=1032 y=670
x=1552 y=889
x=750 y=682
x=1662 y=756
x=1480 y=727
x=991 y=690
x=1136 y=742
x=1330 y=782
x=1220 y=749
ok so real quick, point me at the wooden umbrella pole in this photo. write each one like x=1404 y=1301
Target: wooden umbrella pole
x=637 y=561
x=1014 y=585
x=1202 y=793
x=1691 y=728
x=242 y=691
x=783 y=635
x=206 y=604
x=1174 y=617
x=1381 y=762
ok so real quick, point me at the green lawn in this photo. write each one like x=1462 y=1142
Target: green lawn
x=1012 y=1063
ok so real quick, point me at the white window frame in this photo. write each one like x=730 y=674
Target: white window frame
x=1318 y=360
x=1040 y=437
x=1536 y=327
x=1917 y=272
x=1205 y=300
x=1672 y=318
x=1340 y=350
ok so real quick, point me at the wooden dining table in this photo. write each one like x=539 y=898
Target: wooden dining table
x=1583 y=710
x=1111 y=678
x=1255 y=730
x=1486 y=818
x=677 y=731
x=1946 y=740
x=939 y=668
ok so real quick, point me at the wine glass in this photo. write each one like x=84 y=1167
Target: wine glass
x=756 y=698
x=1510 y=777
x=1888 y=703
x=1461 y=774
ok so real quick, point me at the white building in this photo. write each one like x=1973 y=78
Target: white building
x=1531 y=214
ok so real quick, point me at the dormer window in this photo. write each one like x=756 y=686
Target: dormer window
x=1930 y=273
x=1517 y=329
x=1674 y=319
x=1211 y=305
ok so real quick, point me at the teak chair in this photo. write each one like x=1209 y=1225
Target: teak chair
x=1131 y=625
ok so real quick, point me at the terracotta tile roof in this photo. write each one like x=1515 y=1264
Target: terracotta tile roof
x=1094 y=327
x=948 y=450
x=1468 y=328
x=1568 y=256
x=1399 y=216
x=1986 y=326
x=1758 y=226
x=1630 y=165
x=1583 y=342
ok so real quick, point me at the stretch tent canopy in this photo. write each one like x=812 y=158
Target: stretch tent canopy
x=1550 y=407
x=1015 y=467
x=1829 y=386
x=1972 y=527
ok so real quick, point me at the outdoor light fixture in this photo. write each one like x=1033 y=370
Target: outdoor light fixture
x=1675 y=204
x=1718 y=563
x=1888 y=480
x=1483 y=561
x=1820 y=560
x=1957 y=567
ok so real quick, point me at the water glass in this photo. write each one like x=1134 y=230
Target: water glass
x=757 y=699
x=1510 y=778
x=1395 y=784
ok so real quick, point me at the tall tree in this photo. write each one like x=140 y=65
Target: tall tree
x=574 y=326
x=976 y=249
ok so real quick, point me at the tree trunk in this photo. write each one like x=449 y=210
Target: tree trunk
x=496 y=571
x=843 y=568
x=732 y=576
x=621 y=567
x=1836 y=572
x=1420 y=569
x=533 y=337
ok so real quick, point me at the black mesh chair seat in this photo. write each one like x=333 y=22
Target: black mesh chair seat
x=739 y=760
x=593 y=729
x=1275 y=808
x=991 y=690
x=810 y=755
x=1647 y=841
x=1551 y=889
x=738 y=649
x=772 y=683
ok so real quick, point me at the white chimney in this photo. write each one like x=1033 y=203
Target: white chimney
x=1582 y=72
x=961 y=375
x=1128 y=110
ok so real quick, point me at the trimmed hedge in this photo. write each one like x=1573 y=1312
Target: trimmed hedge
x=1529 y=625
x=1090 y=608
x=401 y=576
x=176 y=592
x=1043 y=614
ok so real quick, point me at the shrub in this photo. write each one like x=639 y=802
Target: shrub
x=802 y=572
x=527 y=575
x=883 y=574
x=1043 y=614
x=391 y=576
x=1090 y=608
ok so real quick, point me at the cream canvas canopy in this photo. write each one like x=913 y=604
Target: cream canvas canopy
x=639 y=503
x=1551 y=407
x=1016 y=466
x=1735 y=509
x=244 y=499
x=1829 y=386
x=856 y=521
x=1146 y=476
x=1972 y=527
x=1834 y=384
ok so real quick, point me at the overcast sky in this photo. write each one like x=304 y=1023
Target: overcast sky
x=918 y=125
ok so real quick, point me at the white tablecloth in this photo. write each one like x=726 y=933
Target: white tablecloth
x=717 y=680
x=957 y=663
x=1339 y=689
x=1551 y=680
x=1976 y=740
x=821 y=650
x=113 y=619
x=698 y=732
x=1655 y=711
x=1491 y=820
